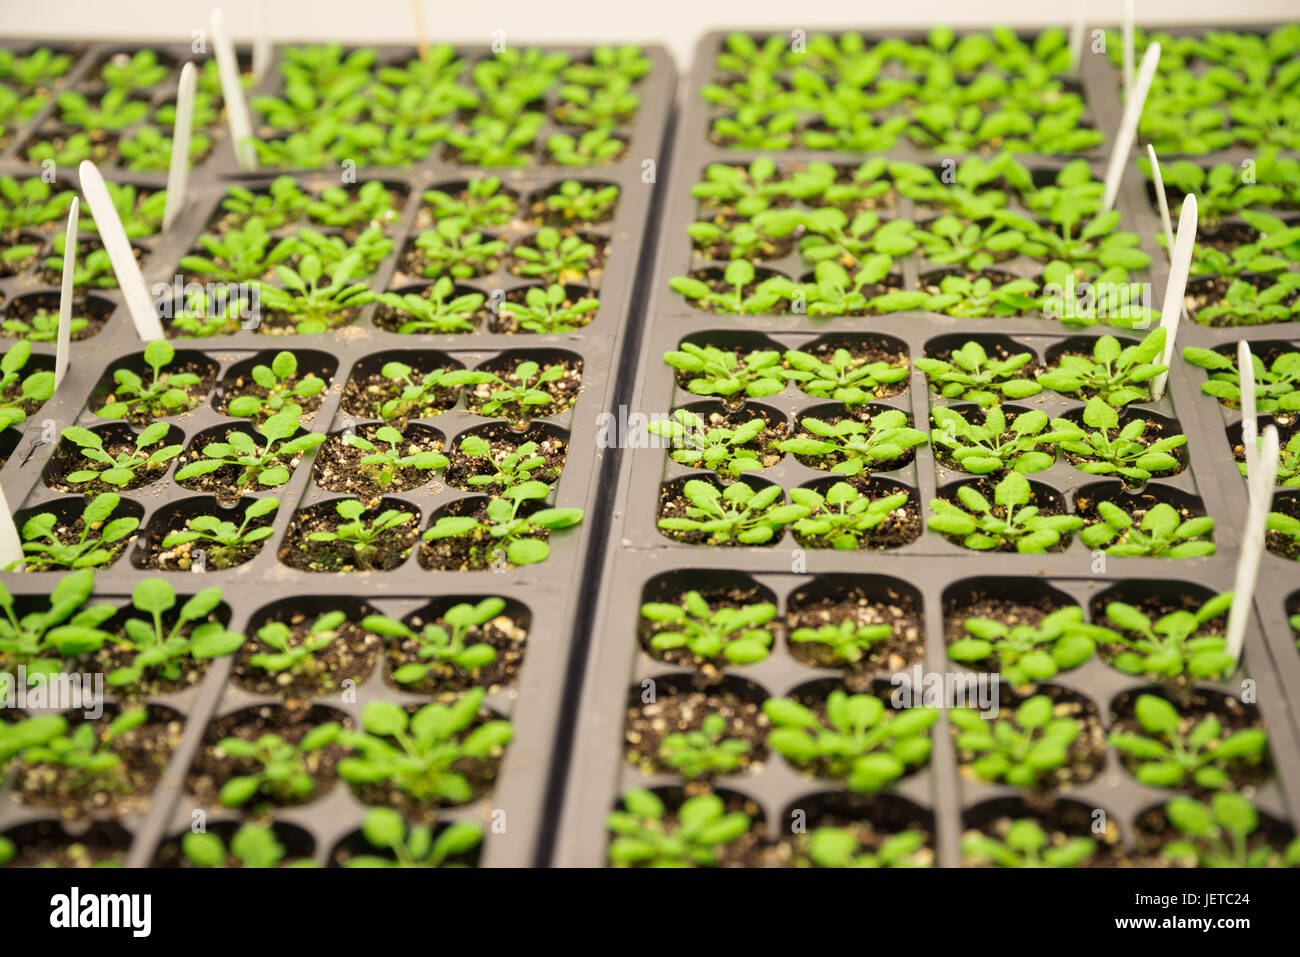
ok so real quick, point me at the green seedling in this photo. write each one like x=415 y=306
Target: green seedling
x=450 y=249
x=223 y=540
x=266 y=463
x=166 y=395
x=1275 y=249
x=384 y=456
x=1288 y=463
x=1026 y=654
x=554 y=258
x=161 y=651
x=1161 y=532
x=1022 y=750
x=734 y=515
x=1166 y=757
x=369 y=248
x=76 y=149
x=607 y=62
x=1218 y=835
x=1011 y=522
x=575 y=203
x=832 y=236
x=115 y=111
x=834 y=293
x=300 y=659
x=977 y=298
x=842 y=377
x=252 y=846
x=280 y=773
x=92 y=270
x=949 y=242
x=100 y=542
x=610 y=103
x=418 y=394
x=484 y=204
x=595 y=147
x=202 y=316
x=441 y=311
x=1026 y=845
x=509 y=469
x=372 y=205
x=1245 y=304
x=1176 y=642
x=725 y=373
x=522 y=538
x=527 y=394
x=33 y=390
x=43 y=326
x=699 y=445
x=438 y=645
x=490 y=141
x=848 y=641
x=1221 y=190
x=550 y=311
x=843 y=518
x=141 y=212
x=365 y=538
x=746 y=190
x=423 y=754
x=384 y=829
x=857 y=739
x=313 y=299
x=837 y=847
x=1109 y=450
x=283 y=388
x=740 y=634
x=125 y=467
x=138 y=72
x=1277 y=386
x=1022 y=444
x=241 y=254
x=41 y=67
x=973 y=375
x=149 y=150
x=1116 y=375
x=30 y=204
x=704 y=752
x=278 y=205
x=737 y=277
x=855 y=445
x=1287 y=529
x=643 y=838
x=42 y=639
x=85 y=751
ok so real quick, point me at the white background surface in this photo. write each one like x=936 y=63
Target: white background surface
x=678 y=23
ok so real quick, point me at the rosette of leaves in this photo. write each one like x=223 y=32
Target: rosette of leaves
x=508 y=468
x=977 y=298
x=842 y=517
x=241 y=254
x=1287 y=529
x=382 y=456
x=65 y=628
x=1010 y=522
x=738 y=275
x=35 y=389
x=949 y=242
x=549 y=311
x=1026 y=654
x=704 y=751
x=1247 y=304
x=519 y=535
x=1277 y=385
x=1161 y=533
x=877 y=443
x=700 y=445
x=1173 y=643
x=120 y=469
x=366 y=538
x=99 y=543
x=299 y=659
x=594 y=147
x=1114 y=374
x=282 y=394
x=30 y=203
x=857 y=739
x=736 y=514
x=166 y=395
x=1221 y=190
x=252 y=846
x=442 y=310
x=996 y=444
x=837 y=847
x=312 y=299
x=1026 y=844
x=1288 y=463
x=280 y=771
x=280 y=203
x=149 y=149
x=831 y=235
x=973 y=375
x=1219 y=835
x=424 y=755
x=484 y=205
x=1275 y=249
x=722 y=372
x=834 y=293
x=114 y=111
x=261 y=463
x=224 y=539
x=436 y=644
x=1166 y=756
x=1021 y=750
x=555 y=258
x=98 y=764
x=849 y=641
x=738 y=633
x=160 y=650
x=1106 y=449
x=416 y=846
x=452 y=249
x=644 y=837
x=1099 y=245
x=746 y=190
x=842 y=377
x=755 y=238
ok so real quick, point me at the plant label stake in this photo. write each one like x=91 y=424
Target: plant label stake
x=127 y=270
x=241 y=128
x=11 y=546
x=1128 y=125
x=1249 y=419
x=262 y=42
x=1076 y=35
x=1158 y=180
x=179 y=170
x=1252 y=545
x=63 y=338
x=1177 y=285
x=421 y=32
x=1129 y=51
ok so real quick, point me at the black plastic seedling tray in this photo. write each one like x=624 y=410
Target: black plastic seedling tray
x=544 y=598
x=931 y=576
